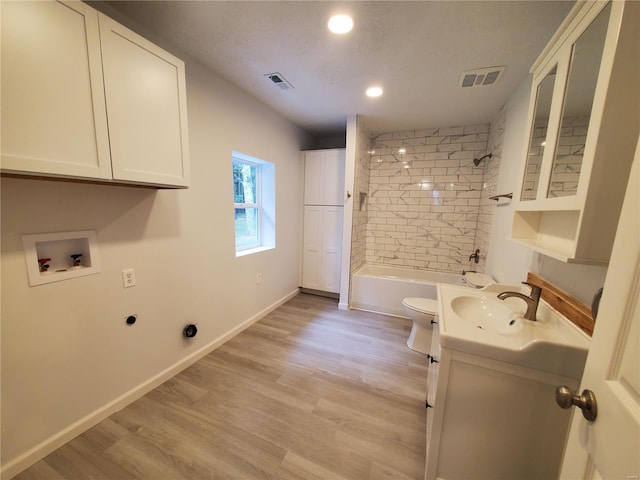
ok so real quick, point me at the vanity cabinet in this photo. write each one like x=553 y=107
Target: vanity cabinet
x=323 y=216
x=491 y=419
x=583 y=125
x=85 y=98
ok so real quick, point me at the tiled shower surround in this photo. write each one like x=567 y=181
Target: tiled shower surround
x=489 y=187
x=423 y=202
x=360 y=201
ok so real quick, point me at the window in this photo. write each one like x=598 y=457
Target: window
x=253 y=203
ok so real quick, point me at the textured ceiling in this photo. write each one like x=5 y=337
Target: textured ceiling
x=414 y=50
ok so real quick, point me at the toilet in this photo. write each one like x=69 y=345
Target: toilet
x=423 y=312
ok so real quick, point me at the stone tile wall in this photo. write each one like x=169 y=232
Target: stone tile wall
x=491 y=173
x=360 y=197
x=423 y=204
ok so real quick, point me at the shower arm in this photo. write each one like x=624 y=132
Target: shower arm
x=476 y=161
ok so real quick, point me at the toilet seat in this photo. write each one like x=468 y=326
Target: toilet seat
x=422 y=305
x=478 y=280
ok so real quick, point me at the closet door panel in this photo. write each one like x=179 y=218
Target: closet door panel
x=333 y=188
x=312 y=247
x=313 y=178
x=331 y=248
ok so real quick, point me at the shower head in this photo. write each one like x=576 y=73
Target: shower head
x=476 y=161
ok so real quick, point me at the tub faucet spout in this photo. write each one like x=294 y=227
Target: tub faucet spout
x=532 y=301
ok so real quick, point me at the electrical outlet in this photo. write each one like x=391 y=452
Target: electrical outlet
x=128 y=278
x=258 y=278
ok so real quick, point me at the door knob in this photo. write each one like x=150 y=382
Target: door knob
x=586 y=402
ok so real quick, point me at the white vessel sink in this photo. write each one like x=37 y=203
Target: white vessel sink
x=477 y=322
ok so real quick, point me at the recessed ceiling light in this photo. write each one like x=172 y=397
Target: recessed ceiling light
x=374 y=92
x=340 y=24
x=402 y=151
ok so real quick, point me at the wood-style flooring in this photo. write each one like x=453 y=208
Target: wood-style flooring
x=308 y=392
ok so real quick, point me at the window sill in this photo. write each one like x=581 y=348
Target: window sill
x=250 y=251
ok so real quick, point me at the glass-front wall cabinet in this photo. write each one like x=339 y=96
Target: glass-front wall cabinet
x=582 y=130
x=538 y=137
x=576 y=112
x=561 y=115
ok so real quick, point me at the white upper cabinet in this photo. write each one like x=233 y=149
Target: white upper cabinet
x=63 y=117
x=146 y=105
x=324 y=177
x=582 y=126
x=53 y=110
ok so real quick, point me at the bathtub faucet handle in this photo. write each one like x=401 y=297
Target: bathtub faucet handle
x=475 y=256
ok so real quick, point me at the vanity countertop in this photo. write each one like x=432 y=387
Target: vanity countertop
x=477 y=322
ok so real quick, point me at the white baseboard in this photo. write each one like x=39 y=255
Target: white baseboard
x=24 y=461
x=390 y=312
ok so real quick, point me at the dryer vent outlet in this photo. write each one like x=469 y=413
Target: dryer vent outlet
x=190 y=331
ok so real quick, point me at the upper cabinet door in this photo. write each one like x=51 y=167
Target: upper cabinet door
x=53 y=110
x=539 y=133
x=146 y=104
x=584 y=69
x=334 y=177
x=313 y=177
x=324 y=177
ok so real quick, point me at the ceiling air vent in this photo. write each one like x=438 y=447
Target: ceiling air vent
x=480 y=77
x=278 y=80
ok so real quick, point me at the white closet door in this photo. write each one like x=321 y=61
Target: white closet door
x=312 y=247
x=53 y=110
x=313 y=178
x=331 y=261
x=146 y=105
x=333 y=187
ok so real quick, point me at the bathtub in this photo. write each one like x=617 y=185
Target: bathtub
x=380 y=289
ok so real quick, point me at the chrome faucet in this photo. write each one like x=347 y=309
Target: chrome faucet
x=532 y=301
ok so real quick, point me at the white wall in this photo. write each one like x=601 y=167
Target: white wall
x=66 y=350
x=508 y=261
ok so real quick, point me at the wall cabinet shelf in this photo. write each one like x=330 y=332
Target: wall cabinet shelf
x=85 y=98
x=583 y=126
